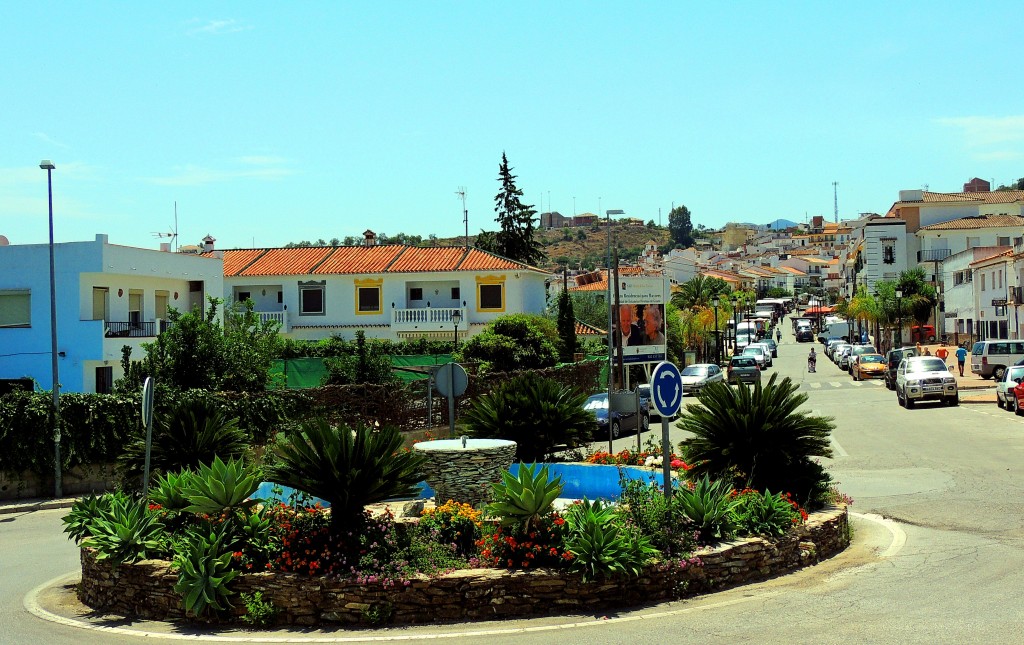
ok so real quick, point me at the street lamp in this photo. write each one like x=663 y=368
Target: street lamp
x=718 y=344
x=899 y=317
x=611 y=361
x=456 y=319
x=938 y=327
x=48 y=166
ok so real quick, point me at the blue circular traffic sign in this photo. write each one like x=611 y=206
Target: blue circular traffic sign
x=666 y=389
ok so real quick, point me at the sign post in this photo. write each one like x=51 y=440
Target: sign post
x=667 y=396
x=147 y=420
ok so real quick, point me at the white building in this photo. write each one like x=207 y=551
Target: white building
x=992 y=277
x=107 y=296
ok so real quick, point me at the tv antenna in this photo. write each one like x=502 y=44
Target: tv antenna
x=461 y=192
x=172 y=233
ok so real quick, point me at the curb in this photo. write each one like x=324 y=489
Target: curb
x=29 y=507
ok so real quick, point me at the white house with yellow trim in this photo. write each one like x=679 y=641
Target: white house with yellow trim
x=388 y=291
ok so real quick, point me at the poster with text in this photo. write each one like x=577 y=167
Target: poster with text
x=640 y=322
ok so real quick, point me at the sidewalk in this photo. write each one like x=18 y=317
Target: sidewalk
x=8 y=506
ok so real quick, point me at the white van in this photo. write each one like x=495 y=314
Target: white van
x=991 y=357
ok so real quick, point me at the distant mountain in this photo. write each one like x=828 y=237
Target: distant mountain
x=781 y=224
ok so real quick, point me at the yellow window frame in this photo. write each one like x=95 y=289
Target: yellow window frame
x=490 y=280
x=370 y=283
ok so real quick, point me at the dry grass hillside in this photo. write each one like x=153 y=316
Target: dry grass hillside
x=588 y=247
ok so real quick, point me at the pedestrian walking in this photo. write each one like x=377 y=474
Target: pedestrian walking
x=812 y=359
x=778 y=334
x=961 y=358
x=942 y=353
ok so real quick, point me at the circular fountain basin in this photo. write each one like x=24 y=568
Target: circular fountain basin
x=463 y=469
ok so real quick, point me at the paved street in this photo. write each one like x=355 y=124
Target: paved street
x=949 y=569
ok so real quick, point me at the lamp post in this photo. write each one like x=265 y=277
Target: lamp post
x=456 y=319
x=899 y=317
x=718 y=344
x=48 y=166
x=611 y=360
x=938 y=327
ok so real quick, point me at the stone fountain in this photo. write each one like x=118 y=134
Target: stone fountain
x=463 y=469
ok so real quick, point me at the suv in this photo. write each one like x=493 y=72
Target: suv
x=743 y=369
x=922 y=378
x=892 y=361
x=804 y=335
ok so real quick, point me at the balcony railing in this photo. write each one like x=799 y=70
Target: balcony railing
x=425 y=316
x=134 y=329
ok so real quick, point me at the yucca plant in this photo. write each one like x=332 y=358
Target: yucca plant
x=126 y=531
x=191 y=433
x=221 y=487
x=349 y=468
x=520 y=501
x=537 y=413
x=758 y=438
x=204 y=571
x=709 y=506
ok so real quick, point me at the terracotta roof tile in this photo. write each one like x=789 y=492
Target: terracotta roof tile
x=235 y=261
x=583 y=329
x=478 y=260
x=295 y=261
x=360 y=259
x=977 y=221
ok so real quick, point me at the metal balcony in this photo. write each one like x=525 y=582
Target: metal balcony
x=933 y=255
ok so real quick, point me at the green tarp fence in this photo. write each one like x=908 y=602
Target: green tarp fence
x=300 y=373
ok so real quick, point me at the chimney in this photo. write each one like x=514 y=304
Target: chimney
x=165 y=247
x=208 y=243
x=369 y=238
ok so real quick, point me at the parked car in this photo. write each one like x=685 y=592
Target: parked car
x=922 y=333
x=744 y=369
x=1018 y=398
x=767 y=352
x=757 y=352
x=804 y=335
x=697 y=376
x=858 y=350
x=598 y=404
x=831 y=345
x=843 y=357
x=921 y=378
x=892 y=361
x=1005 y=397
x=770 y=342
x=992 y=357
x=868 y=366
x=837 y=351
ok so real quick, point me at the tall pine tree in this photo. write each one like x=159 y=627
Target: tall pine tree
x=566 y=328
x=515 y=240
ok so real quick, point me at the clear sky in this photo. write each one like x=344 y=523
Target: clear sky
x=277 y=122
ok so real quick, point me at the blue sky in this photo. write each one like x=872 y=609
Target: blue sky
x=271 y=122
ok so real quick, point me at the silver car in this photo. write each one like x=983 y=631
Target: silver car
x=1004 y=389
x=921 y=378
x=696 y=376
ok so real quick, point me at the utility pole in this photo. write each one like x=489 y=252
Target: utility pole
x=461 y=192
x=835 y=200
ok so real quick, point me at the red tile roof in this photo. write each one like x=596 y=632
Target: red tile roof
x=977 y=221
x=583 y=329
x=325 y=260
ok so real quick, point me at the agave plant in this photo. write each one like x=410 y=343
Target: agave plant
x=204 y=571
x=221 y=487
x=521 y=501
x=126 y=531
x=169 y=491
x=349 y=468
x=78 y=522
x=537 y=413
x=758 y=437
x=191 y=433
x=765 y=514
x=601 y=545
x=710 y=506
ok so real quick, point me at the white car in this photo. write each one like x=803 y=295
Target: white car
x=758 y=353
x=921 y=378
x=1004 y=389
x=696 y=376
x=767 y=351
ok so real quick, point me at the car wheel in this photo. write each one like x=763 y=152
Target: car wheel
x=1011 y=405
x=998 y=373
x=645 y=423
x=955 y=400
x=999 y=403
x=616 y=431
x=1017 y=410
x=910 y=403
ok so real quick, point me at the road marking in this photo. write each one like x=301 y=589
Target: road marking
x=815 y=385
x=899 y=538
x=835 y=384
x=838 y=449
x=856 y=384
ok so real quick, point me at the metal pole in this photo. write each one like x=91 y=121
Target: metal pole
x=666 y=461
x=57 y=484
x=451 y=390
x=718 y=344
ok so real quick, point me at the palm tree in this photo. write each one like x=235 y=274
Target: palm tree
x=757 y=438
x=699 y=291
x=347 y=467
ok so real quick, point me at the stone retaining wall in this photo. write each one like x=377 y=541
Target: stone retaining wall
x=145 y=589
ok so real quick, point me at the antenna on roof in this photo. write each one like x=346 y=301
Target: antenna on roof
x=461 y=192
x=835 y=200
x=173 y=233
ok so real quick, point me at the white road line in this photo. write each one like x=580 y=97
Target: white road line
x=815 y=385
x=838 y=449
x=856 y=383
x=899 y=538
x=835 y=384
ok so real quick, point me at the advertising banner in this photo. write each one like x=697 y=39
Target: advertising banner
x=640 y=327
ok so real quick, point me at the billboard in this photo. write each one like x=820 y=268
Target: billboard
x=640 y=323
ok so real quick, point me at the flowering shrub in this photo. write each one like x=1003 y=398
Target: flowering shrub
x=455 y=523
x=306 y=544
x=542 y=546
x=648 y=457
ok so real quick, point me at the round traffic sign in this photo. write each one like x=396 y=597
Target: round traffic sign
x=451 y=379
x=666 y=389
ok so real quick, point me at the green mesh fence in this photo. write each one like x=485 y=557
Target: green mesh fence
x=301 y=373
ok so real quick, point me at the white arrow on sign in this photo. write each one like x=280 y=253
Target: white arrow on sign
x=671 y=404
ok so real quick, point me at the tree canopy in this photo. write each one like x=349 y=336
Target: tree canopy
x=681 y=226
x=515 y=240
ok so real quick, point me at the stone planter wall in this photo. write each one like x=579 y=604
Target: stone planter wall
x=86 y=478
x=145 y=589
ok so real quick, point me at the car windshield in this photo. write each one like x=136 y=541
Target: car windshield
x=978 y=349
x=596 y=402
x=865 y=349
x=753 y=350
x=694 y=370
x=1014 y=373
x=927 y=365
x=872 y=358
x=742 y=362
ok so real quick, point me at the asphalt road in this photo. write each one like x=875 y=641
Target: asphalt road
x=945 y=568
